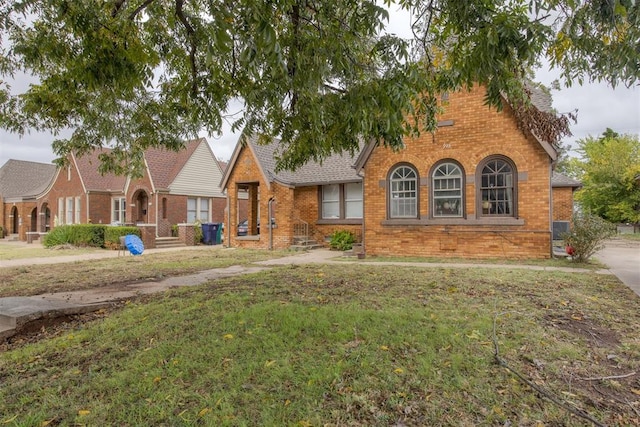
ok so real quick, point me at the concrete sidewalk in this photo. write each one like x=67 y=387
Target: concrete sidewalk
x=15 y=312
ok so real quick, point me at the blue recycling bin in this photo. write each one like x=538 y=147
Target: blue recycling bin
x=211 y=233
x=207 y=233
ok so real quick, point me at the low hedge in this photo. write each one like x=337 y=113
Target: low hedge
x=112 y=235
x=94 y=235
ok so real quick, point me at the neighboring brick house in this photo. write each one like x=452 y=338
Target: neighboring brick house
x=305 y=204
x=562 y=189
x=176 y=187
x=20 y=184
x=479 y=187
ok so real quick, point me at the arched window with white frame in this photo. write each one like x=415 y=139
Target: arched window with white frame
x=498 y=187
x=403 y=192
x=447 y=190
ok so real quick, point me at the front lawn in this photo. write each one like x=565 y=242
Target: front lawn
x=348 y=345
x=40 y=279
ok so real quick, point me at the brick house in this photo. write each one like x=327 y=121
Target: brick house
x=295 y=199
x=20 y=183
x=562 y=189
x=479 y=187
x=175 y=188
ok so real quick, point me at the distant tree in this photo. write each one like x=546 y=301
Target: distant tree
x=320 y=75
x=609 y=169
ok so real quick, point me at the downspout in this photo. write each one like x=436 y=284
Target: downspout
x=270 y=213
x=228 y=221
x=550 y=210
x=359 y=173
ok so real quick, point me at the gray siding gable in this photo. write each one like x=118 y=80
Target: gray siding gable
x=200 y=176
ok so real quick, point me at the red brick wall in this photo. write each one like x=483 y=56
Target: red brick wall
x=24 y=220
x=477 y=132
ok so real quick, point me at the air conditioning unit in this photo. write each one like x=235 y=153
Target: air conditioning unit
x=560 y=227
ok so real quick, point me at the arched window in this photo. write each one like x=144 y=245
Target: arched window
x=498 y=187
x=447 y=190
x=403 y=192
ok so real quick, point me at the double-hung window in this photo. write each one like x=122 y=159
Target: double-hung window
x=118 y=211
x=497 y=187
x=447 y=190
x=197 y=209
x=341 y=201
x=403 y=192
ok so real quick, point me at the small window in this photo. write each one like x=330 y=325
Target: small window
x=403 y=192
x=77 y=214
x=69 y=219
x=118 y=215
x=192 y=210
x=341 y=201
x=447 y=191
x=197 y=210
x=498 y=187
x=331 y=201
x=353 y=200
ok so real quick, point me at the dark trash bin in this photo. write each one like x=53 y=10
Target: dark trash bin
x=208 y=235
x=211 y=233
x=218 y=233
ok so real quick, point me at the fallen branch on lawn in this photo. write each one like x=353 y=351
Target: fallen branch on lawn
x=500 y=361
x=613 y=377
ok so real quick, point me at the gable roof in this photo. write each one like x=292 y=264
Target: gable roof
x=558 y=180
x=337 y=168
x=165 y=165
x=92 y=179
x=21 y=179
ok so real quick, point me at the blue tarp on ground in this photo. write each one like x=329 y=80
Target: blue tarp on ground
x=134 y=244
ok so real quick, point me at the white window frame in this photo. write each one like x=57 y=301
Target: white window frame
x=403 y=192
x=119 y=214
x=200 y=209
x=61 y=214
x=77 y=211
x=69 y=211
x=497 y=187
x=338 y=203
x=447 y=190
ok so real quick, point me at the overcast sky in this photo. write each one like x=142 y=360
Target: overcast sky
x=598 y=105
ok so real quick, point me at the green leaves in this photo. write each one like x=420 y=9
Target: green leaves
x=321 y=76
x=609 y=167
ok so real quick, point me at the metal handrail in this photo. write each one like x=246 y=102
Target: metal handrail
x=300 y=229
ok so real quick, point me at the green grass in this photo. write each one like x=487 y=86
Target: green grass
x=39 y=279
x=634 y=237
x=340 y=345
x=592 y=264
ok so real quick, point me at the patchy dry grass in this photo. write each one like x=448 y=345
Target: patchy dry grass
x=342 y=345
x=39 y=279
x=21 y=250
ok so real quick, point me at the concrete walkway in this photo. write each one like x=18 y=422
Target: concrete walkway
x=15 y=312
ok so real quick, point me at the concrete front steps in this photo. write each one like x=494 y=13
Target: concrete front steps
x=168 y=242
x=304 y=244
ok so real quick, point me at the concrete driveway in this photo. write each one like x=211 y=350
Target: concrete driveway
x=623 y=259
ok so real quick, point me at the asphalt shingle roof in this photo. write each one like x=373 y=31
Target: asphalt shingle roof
x=559 y=180
x=93 y=180
x=335 y=168
x=19 y=178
